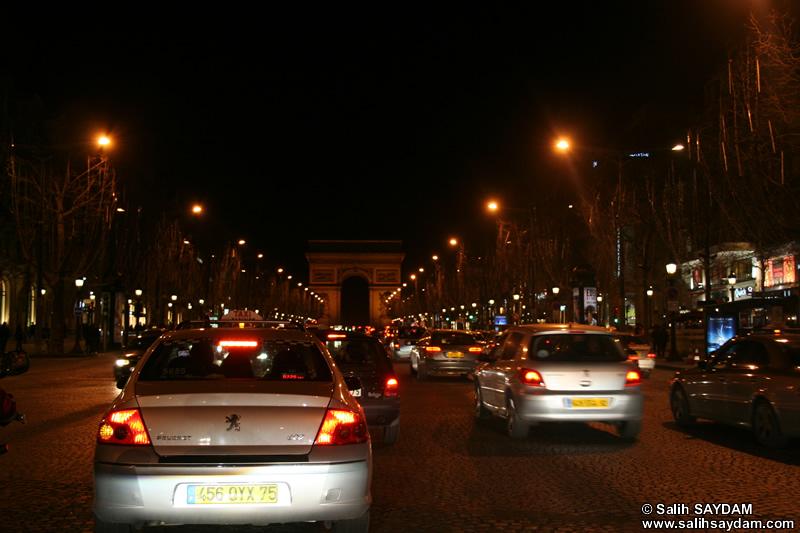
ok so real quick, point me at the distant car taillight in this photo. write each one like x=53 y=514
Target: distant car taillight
x=475 y=349
x=651 y=355
x=342 y=427
x=530 y=377
x=390 y=389
x=633 y=357
x=633 y=378
x=433 y=349
x=123 y=427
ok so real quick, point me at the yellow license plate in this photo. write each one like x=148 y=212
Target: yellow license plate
x=455 y=354
x=601 y=403
x=240 y=494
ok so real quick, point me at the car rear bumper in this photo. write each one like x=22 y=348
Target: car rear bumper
x=309 y=492
x=450 y=366
x=555 y=408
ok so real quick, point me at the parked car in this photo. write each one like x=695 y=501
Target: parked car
x=445 y=351
x=234 y=425
x=559 y=373
x=638 y=351
x=363 y=356
x=135 y=350
x=405 y=337
x=750 y=381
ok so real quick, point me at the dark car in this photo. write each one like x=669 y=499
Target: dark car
x=363 y=356
x=445 y=351
x=750 y=381
x=135 y=350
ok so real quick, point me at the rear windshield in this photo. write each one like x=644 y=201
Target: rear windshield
x=575 y=347
x=352 y=354
x=410 y=333
x=214 y=358
x=452 y=339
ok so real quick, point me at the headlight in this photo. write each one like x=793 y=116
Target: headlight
x=123 y=362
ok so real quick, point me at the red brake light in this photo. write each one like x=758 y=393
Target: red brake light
x=433 y=349
x=651 y=355
x=530 y=377
x=342 y=427
x=336 y=336
x=390 y=389
x=633 y=357
x=123 y=427
x=246 y=344
x=475 y=349
x=633 y=378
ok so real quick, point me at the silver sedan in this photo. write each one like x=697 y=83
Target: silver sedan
x=234 y=426
x=750 y=381
x=559 y=373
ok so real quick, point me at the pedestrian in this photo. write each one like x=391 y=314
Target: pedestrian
x=660 y=337
x=5 y=334
x=19 y=336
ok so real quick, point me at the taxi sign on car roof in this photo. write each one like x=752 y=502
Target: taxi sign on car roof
x=241 y=315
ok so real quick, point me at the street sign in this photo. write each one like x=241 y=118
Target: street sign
x=673 y=293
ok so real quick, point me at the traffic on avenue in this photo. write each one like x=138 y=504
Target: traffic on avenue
x=447 y=470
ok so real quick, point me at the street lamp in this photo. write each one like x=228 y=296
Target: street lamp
x=731 y=283
x=77 y=349
x=672 y=268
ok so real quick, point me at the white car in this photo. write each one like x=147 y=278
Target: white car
x=559 y=373
x=250 y=425
x=639 y=351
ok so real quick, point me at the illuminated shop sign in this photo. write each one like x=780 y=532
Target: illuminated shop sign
x=779 y=271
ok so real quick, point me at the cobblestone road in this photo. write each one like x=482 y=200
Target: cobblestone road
x=446 y=473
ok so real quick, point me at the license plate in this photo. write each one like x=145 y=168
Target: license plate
x=601 y=403
x=356 y=393
x=238 y=494
x=455 y=354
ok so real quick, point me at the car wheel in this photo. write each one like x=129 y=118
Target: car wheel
x=680 y=407
x=481 y=412
x=422 y=372
x=391 y=433
x=629 y=429
x=515 y=426
x=766 y=427
x=101 y=526
x=352 y=525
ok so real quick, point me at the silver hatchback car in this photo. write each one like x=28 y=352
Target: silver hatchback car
x=750 y=381
x=250 y=425
x=559 y=373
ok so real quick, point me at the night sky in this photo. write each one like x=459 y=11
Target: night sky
x=382 y=121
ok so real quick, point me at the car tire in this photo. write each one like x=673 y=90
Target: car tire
x=352 y=525
x=766 y=427
x=481 y=412
x=629 y=429
x=101 y=526
x=391 y=433
x=422 y=372
x=515 y=426
x=680 y=407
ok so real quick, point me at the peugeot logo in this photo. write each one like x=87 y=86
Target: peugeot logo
x=233 y=421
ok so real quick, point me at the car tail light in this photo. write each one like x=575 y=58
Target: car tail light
x=239 y=344
x=651 y=355
x=433 y=349
x=530 y=377
x=633 y=357
x=123 y=427
x=342 y=427
x=336 y=336
x=397 y=345
x=475 y=349
x=633 y=378
x=390 y=389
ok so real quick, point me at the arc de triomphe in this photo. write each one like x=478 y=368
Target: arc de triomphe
x=354 y=278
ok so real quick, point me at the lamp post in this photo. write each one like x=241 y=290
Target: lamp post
x=672 y=268
x=731 y=283
x=77 y=349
